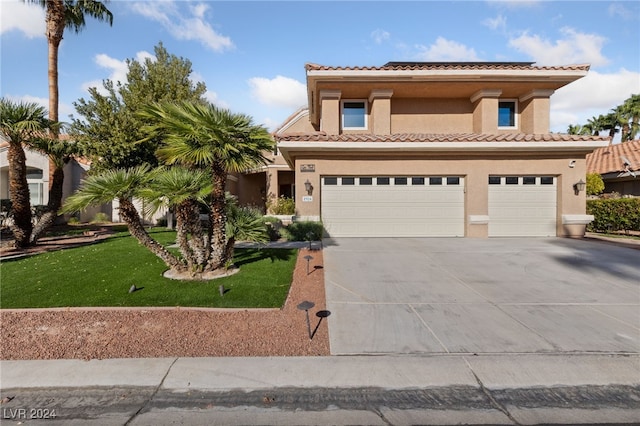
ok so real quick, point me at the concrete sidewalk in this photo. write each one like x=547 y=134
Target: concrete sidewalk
x=398 y=390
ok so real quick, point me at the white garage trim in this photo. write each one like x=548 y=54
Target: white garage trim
x=522 y=206
x=390 y=206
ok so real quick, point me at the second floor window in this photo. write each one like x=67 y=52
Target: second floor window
x=354 y=115
x=507 y=114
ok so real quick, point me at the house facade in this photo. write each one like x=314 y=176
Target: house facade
x=433 y=149
x=619 y=166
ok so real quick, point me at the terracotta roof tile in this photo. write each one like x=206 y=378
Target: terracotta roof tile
x=608 y=159
x=435 y=137
x=433 y=66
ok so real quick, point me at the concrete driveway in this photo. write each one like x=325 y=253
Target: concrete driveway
x=446 y=295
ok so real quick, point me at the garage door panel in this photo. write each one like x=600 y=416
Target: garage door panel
x=522 y=210
x=393 y=210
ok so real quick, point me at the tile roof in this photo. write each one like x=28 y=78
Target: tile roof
x=608 y=158
x=432 y=66
x=436 y=137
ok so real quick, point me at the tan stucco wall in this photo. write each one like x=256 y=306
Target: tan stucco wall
x=431 y=116
x=475 y=170
x=534 y=115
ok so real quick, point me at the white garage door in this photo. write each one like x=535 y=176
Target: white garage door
x=522 y=206
x=385 y=206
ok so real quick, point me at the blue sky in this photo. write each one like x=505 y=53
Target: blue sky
x=251 y=55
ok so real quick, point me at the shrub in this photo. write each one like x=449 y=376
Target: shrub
x=281 y=206
x=595 y=184
x=100 y=217
x=73 y=221
x=273 y=227
x=161 y=222
x=619 y=214
x=303 y=231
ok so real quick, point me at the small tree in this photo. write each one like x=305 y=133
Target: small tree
x=109 y=131
x=595 y=184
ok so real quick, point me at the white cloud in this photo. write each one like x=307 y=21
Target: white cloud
x=190 y=26
x=618 y=10
x=575 y=47
x=24 y=17
x=446 y=50
x=117 y=69
x=279 y=92
x=592 y=95
x=497 y=23
x=379 y=36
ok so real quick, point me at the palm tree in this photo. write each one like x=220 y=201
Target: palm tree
x=630 y=111
x=59 y=153
x=184 y=191
x=19 y=124
x=60 y=15
x=596 y=124
x=123 y=185
x=204 y=135
x=244 y=224
x=577 y=129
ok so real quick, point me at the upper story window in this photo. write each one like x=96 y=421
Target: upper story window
x=507 y=112
x=354 y=115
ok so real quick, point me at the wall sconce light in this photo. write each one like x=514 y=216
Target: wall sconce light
x=579 y=186
x=308 y=187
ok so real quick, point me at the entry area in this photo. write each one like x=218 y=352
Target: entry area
x=495 y=295
x=393 y=206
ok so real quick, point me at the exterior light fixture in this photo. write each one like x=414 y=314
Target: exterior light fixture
x=308 y=187
x=579 y=186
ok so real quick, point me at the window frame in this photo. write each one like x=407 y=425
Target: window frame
x=365 y=103
x=515 y=113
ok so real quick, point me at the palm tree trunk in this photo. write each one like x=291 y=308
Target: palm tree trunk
x=19 y=194
x=54 y=204
x=55 y=22
x=218 y=219
x=131 y=217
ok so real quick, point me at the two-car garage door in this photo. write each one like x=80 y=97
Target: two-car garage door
x=433 y=206
x=384 y=206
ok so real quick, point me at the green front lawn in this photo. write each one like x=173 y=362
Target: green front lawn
x=101 y=275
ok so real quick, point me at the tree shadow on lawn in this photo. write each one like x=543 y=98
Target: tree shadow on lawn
x=250 y=255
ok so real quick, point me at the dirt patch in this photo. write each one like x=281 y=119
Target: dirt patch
x=174 y=332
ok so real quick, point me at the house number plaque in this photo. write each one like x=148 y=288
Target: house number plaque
x=307 y=168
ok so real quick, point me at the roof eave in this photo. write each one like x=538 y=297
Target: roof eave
x=287 y=149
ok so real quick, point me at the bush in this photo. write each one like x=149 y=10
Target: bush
x=303 y=231
x=273 y=227
x=100 y=217
x=620 y=214
x=161 y=222
x=73 y=221
x=281 y=206
x=595 y=184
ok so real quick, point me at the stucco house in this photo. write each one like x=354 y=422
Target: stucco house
x=619 y=166
x=432 y=149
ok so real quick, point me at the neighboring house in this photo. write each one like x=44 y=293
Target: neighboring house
x=40 y=175
x=432 y=149
x=619 y=166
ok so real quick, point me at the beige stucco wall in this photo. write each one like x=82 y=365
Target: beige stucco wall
x=431 y=116
x=475 y=170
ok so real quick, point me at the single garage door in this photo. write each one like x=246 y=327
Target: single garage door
x=387 y=206
x=522 y=206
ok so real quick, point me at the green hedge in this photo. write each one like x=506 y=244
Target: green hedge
x=619 y=214
x=302 y=231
